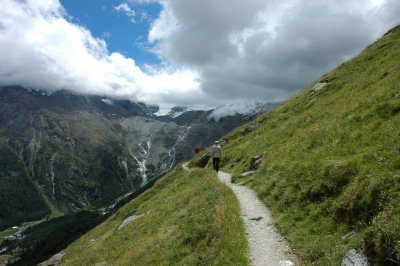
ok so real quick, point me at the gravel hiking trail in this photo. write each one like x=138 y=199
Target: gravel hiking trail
x=267 y=245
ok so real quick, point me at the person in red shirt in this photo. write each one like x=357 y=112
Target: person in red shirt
x=197 y=149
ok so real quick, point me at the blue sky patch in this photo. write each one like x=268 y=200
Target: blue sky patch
x=123 y=32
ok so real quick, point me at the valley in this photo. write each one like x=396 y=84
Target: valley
x=81 y=152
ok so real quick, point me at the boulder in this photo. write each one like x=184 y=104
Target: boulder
x=203 y=160
x=251 y=128
x=256 y=160
x=354 y=258
x=317 y=87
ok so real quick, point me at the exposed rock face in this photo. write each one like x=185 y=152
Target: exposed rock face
x=203 y=160
x=353 y=258
x=318 y=87
x=256 y=160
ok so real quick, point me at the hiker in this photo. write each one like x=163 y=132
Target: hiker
x=216 y=155
x=197 y=149
x=206 y=148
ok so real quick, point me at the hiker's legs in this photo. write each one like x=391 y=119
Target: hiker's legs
x=216 y=164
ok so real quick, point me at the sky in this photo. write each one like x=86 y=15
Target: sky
x=184 y=52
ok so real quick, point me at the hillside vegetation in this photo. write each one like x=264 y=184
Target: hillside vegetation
x=331 y=160
x=330 y=173
x=14 y=183
x=187 y=218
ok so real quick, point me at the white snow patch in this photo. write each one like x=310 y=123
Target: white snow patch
x=163 y=111
x=107 y=101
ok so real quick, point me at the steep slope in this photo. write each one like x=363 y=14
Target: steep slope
x=73 y=155
x=15 y=182
x=187 y=218
x=330 y=167
x=326 y=162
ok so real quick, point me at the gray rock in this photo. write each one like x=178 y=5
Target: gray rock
x=353 y=258
x=317 y=87
x=247 y=173
x=203 y=160
x=251 y=128
x=259 y=218
x=256 y=160
x=91 y=242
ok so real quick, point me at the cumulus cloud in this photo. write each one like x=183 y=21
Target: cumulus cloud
x=267 y=50
x=216 y=52
x=40 y=49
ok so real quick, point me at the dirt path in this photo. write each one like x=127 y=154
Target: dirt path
x=267 y=245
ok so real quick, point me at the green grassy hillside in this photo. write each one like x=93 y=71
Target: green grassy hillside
x=330 y=167
x=331 y=162
x=188 y=218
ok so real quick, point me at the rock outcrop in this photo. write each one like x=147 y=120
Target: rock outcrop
x=256 y=161
x=318 y=87
x=354 y=258
x=203 y=160
x=251 y=128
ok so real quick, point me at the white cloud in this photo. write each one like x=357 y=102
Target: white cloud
x=40 y=49
x=266 y=50
x=128 y=11
x=212 y=52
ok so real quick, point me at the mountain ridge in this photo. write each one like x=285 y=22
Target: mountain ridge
x=84 y=151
